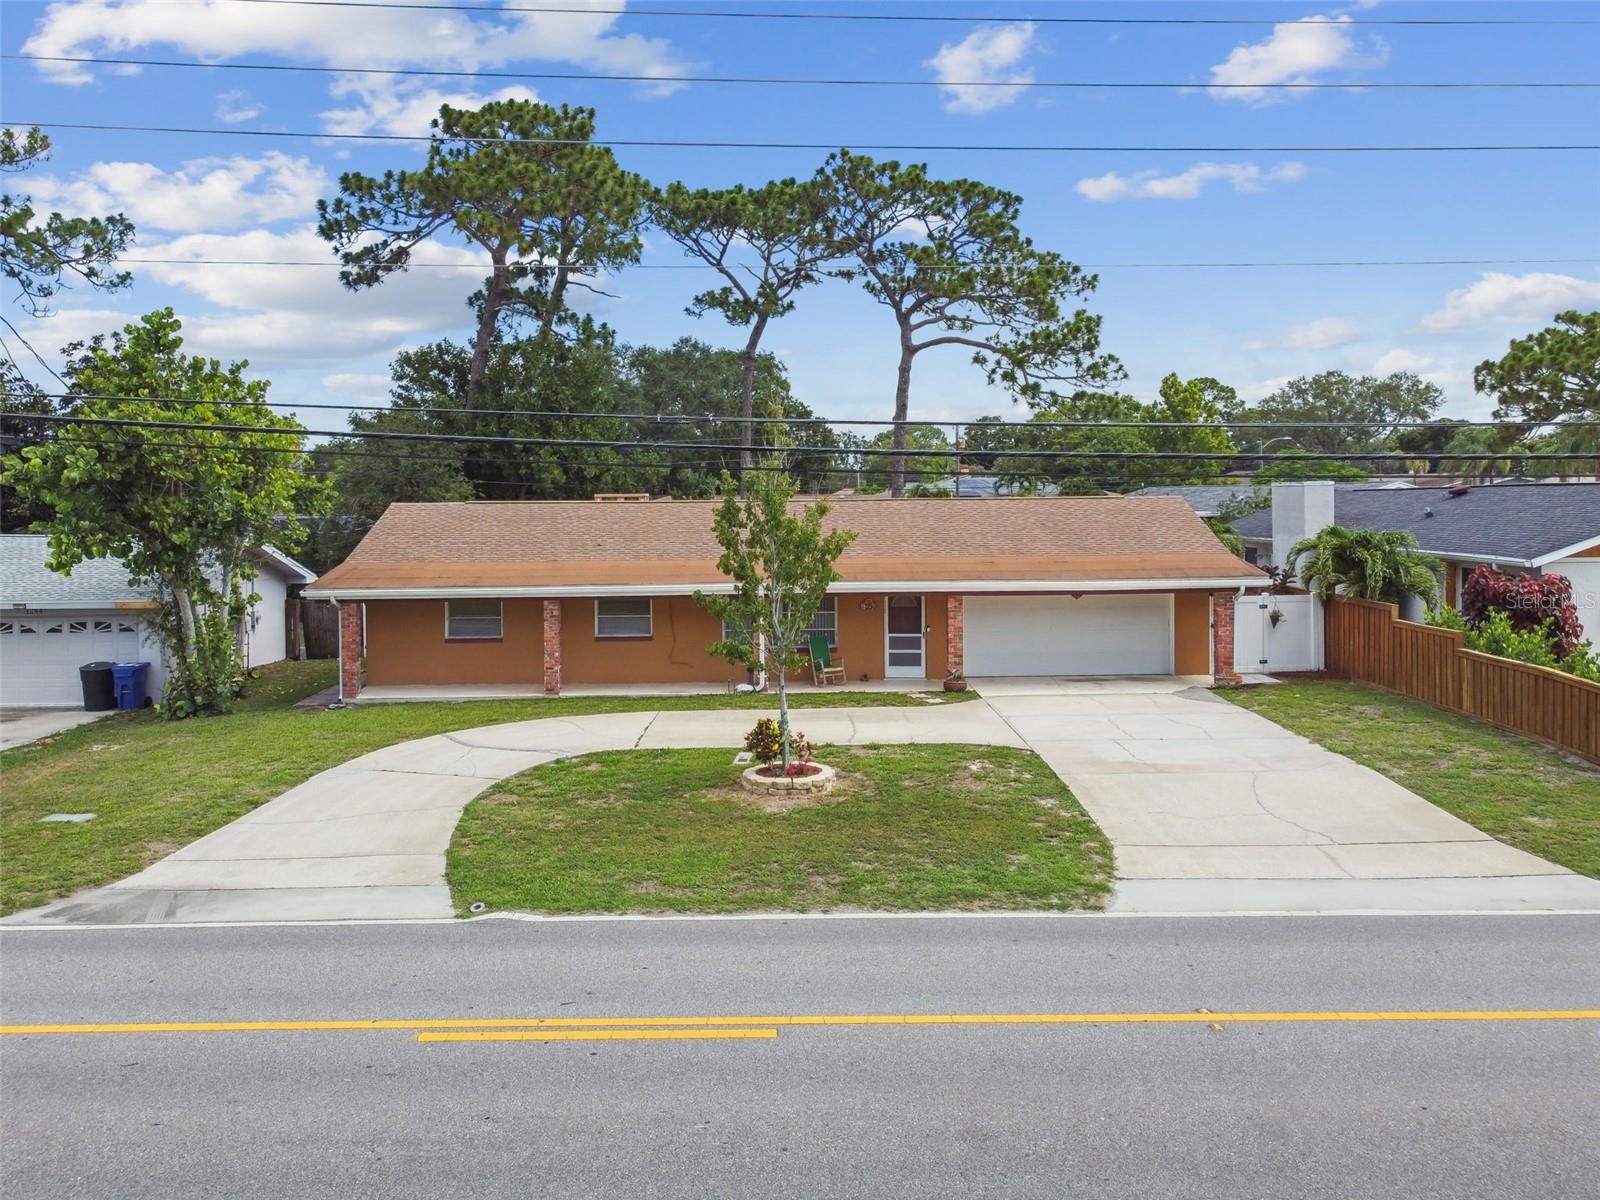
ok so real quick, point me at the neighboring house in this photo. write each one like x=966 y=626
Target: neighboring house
x=1206 y=499
x=546 y=593
x=1546 y=529
x=51 y=624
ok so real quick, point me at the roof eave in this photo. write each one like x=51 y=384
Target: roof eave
x=846 y=587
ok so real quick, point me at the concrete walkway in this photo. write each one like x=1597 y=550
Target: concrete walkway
x=1210 y=808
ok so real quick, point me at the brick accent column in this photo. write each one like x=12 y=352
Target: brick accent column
x=955 y=635
x=552 y=647
x=350 y=680
x=1222 y=671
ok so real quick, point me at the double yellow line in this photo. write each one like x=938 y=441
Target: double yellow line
x=553 y=1029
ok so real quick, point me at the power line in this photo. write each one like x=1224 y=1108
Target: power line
x=717 y=418
x=863 y=452
x=1101 y=478
x=929 y=18
x=793 y=81
x=915 y=147
x=700 y=266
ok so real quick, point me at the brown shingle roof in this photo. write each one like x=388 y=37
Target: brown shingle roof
x=580 y=543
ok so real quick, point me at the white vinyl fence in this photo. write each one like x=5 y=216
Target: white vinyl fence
x=1277 y=633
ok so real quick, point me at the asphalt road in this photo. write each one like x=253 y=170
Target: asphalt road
x=1489 y=1106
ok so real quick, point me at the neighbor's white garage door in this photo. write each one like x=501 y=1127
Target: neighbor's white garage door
x=1060 y=635
x=40 y=656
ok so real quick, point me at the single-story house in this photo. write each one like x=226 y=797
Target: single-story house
x=52 y=624
x=1544 y=528
x=544 y=594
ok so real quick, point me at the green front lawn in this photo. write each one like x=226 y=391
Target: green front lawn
x=1521 y=792
x=156 y=785
x=907 y=828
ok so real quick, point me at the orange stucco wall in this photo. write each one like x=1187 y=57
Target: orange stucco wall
x=406 y=645
x=674 y=653
x=1191 y=633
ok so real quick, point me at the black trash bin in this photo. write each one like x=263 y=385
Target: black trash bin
x=99 y=691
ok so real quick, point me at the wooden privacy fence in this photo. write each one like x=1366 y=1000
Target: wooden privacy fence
x=321 y=622
x=1366 y=640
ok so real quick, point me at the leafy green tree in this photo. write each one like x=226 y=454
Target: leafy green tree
x=522 y=181
x=1369 y=564
x=1360 y=413
x=781 y=561
x=1296 y=466
x=39 y=255
x=782 y=226
x=21 y=399
x=1183 y=403
x=1475 y=440
x=184 y=510
x=927 y=469
x=694 y=390
x=1548 y=375
x=949 y=261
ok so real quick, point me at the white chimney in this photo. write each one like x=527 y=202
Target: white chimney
x=1299 y=511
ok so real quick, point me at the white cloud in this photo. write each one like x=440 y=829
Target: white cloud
x=993 y=54
x=294 y=316
x=402 y=107
x=1325 y=333
x=360 y=386
x=346 y=36
x=1401 y=359
x=1295 y=52
x=1498 y=297
x=204 y=193
x=1186 y=185
x=237 y=105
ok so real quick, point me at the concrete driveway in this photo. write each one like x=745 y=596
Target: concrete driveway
x=1214 y=808
x=1209 y=807
x=21 y=726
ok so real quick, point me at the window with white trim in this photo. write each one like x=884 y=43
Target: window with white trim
x=824 y=623
x=624 y=617
x=471 y=620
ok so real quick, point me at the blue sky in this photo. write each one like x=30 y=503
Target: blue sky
x=235 y=197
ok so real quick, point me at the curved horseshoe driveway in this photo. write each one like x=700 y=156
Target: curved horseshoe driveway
x=1210 y=808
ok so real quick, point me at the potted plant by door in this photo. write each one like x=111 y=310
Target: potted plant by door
x=955 y=682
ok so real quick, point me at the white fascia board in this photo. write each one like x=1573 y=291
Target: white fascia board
x=1496 y=560
x=1567 y=551
x=297 y=572
x=847 y=588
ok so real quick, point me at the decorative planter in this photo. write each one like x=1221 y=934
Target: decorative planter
x=955 y=685
x=819 y=779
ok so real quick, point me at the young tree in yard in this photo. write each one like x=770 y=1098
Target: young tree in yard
x=947 y=258
x=1369 y=564
x=520 y=180
x=781 y=561
x=183 y=509
x=782 y=226
x=1548 y=375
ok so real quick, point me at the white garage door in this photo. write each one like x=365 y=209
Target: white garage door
x=40 y=656
x=1060 y=635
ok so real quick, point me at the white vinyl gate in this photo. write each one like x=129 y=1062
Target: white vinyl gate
x=1290 y=641
x=40 y=656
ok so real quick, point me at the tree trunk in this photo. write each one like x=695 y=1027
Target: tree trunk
x=493 y=297
x=902 y=403
x=552 y=308
x=783 y=712
x=747 y=399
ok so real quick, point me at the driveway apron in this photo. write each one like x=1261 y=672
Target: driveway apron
x=1209 y=808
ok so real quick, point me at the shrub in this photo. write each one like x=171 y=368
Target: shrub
x=764 y=741
x=1497 y=634
x=1529 y=602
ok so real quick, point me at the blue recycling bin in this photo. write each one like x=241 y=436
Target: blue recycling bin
x=129 y=678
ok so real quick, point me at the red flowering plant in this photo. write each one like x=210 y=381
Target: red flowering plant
x=1530 y=601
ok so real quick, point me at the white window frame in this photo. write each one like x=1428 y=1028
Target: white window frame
x=829 y=604
x=500 y=622
x=649 y=614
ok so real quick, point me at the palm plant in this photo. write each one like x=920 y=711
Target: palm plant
x=1370 y=564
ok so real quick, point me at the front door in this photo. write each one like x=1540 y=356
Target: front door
x=905 y=649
